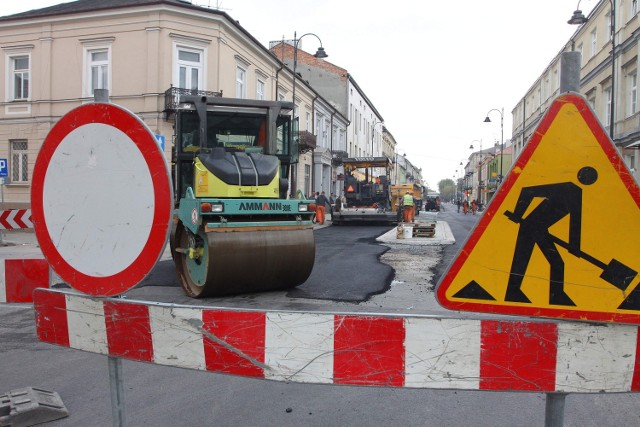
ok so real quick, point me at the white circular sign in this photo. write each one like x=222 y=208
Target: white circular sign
x=101 y=199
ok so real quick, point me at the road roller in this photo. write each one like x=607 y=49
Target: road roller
x=235 y=230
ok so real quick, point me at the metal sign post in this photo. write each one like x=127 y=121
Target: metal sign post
x=4 y=172
x=116 y=386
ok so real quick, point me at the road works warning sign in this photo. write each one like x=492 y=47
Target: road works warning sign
x=561 y=237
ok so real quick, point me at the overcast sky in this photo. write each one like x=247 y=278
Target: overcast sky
x=432 y=69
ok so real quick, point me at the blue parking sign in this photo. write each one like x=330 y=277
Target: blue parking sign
x=4 y=168
x=160 y=139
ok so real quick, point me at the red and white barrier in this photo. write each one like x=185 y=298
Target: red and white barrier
x=19 y=277
x=367 y=350
x=15 y=219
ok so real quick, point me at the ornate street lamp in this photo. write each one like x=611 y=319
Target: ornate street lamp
x=488 y=120
x=320 y=54
x=373 y=128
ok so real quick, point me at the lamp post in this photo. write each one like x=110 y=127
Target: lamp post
x=488 y=120
x=479 y=198
x=373 y=134
x=460 y=178
x=320 y=53
x=578 y=19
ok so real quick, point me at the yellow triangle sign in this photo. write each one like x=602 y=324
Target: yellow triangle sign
x=561 y=237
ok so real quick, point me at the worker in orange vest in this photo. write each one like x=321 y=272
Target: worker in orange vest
x=409 y=210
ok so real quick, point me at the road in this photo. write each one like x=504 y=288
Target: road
x=163 y=396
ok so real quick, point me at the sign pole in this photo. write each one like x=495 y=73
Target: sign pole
x=116 y=384
x=2 y=196
x=117 y=392
x=554 y=410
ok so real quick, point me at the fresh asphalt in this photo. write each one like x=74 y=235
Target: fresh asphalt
x=347 y=264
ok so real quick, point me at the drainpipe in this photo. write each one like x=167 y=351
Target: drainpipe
x=333 y=184
x=278 y=71
x=313 y=153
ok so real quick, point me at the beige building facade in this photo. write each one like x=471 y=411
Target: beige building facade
x=611 y=26
x=143 y=53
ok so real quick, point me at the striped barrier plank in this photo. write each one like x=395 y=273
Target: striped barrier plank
x=353 y=349
x=19 y=277
x=15 y=219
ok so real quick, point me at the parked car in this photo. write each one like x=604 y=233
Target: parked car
x=432 y=202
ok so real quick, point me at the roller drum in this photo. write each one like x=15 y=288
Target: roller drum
x=245 y=261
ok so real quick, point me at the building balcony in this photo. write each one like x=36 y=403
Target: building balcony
x=306 y=141
x=173 y=94
x=337 y=157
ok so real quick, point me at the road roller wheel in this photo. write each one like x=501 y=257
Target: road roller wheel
x=190 y=255
x=224 y=263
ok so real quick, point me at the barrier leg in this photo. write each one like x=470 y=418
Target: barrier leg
x=554 y=410
x=117 y=391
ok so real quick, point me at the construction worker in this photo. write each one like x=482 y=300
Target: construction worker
x=321 y=202
x=409 y=210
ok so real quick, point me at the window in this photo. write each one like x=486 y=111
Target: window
x=19 y=77
x=325 y=133
x=189 y=59
x=581 y=50
x=19 y=158
x=307 y=179
x=634 y=8
x=241 y=81
x=594 y=43
x=260 y=87
x=190 y=68
x=632 y=81
x=607 y=106
x=545 y=89
x=308 y=121
x=97 y=72
x=591 y=99
x=609 y=27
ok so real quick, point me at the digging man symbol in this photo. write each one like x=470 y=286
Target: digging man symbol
x=558 y=201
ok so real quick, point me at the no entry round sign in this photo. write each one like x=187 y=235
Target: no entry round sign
x=101 y=199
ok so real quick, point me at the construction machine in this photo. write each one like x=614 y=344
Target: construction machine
x=399 y=190
x=366 y=199
x=235 y=230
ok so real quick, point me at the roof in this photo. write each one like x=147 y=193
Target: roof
x=80 y=6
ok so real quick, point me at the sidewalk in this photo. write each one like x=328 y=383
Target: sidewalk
x=443 y=236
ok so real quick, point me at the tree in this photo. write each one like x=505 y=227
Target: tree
x=447 y=189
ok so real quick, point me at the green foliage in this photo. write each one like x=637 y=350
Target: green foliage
x=447 y=189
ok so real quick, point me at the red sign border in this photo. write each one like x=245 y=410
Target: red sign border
x=141 y=136
x=559 y=313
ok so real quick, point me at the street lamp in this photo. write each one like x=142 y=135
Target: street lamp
x=488 y=120
x=373 y=134
x=320 y=54
x=479 y=196
x=578 y=19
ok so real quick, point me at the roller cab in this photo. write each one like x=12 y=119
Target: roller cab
x=235 y=230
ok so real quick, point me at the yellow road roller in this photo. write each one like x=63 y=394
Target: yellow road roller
x=235 y=230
